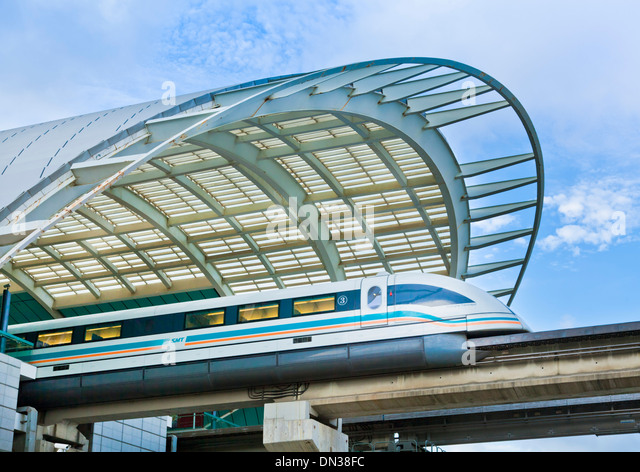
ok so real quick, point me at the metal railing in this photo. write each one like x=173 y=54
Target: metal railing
x=13 y=343
x=203 y=420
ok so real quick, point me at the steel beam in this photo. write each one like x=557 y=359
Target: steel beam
x=110 y=229
x=480 y=242
x=39 y=294
x=482 y=167
x=439 y=158
x=204 y=196
x=140 y=206
x=278 y=185
x=400 y=91
x=480 y=214
x=313 y=162
x=439 y=119
x=425 y=103
x=380 y=81
x=78 y=275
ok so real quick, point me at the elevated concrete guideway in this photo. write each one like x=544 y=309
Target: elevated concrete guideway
x=521 y=368
x=550 y=366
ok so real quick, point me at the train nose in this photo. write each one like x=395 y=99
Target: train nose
x=446 y=350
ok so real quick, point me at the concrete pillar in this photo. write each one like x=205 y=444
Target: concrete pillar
x=289 y=427
x=63 y=436
x=9 y=384
x=25 y=430
x=20 y=431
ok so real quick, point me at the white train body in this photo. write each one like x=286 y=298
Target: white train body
x=362 y=322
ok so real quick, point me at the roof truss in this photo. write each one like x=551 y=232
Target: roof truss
x=189 y=199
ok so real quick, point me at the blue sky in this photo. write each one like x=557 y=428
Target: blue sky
x=574 y=66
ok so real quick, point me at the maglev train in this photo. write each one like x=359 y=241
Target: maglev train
x=375 y=325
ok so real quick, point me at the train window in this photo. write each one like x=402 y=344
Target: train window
x=152 y=325
x=413 y=294
x=258 y=311
x=104 y=332
x=57 y=338
x=204 y=319
x=313 y=305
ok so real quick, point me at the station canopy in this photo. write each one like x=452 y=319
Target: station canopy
x=395 y=165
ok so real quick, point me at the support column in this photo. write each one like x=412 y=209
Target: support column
x=9 y=383
x=4 y=317
x=290 y=427
x=26 y=430
x=63 y=436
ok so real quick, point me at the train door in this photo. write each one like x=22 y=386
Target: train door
x=373 y=301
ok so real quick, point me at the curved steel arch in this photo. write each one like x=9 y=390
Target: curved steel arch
x=385 y=92
x=471 y=71
x=281 y=188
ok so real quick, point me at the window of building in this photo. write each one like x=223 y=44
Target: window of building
x=58 y=338
x=101 y=333
x=313 y=305
x=258 y=311
x=152 y=325
x=204 y=319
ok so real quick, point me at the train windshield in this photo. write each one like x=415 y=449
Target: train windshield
x=427 y=295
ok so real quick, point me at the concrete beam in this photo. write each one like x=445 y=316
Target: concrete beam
x=63 y=436
x=554 y=372
x=165 y=406
x=524 y=376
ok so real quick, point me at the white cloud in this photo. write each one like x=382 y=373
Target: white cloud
x=114 y=11
x=494 y=225
x=72 y=57
x=593 y=214
x=568 y=321
x=613 y=443
x=251 y=39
